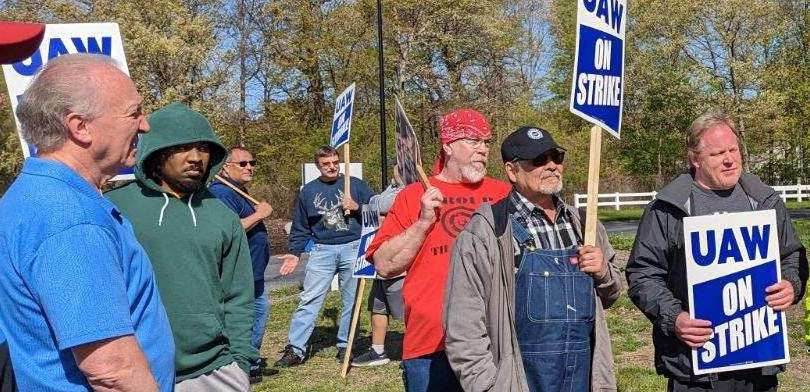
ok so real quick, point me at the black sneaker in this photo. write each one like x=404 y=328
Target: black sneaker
x=266 y=371
x=289 y=358
x=370 y=358
x=341 y=352
x=255 y=375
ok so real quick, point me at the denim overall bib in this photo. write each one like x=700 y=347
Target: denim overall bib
x=554 y=317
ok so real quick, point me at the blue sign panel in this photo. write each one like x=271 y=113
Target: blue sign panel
x=597 y=88
x=753 y=332
x=371 y=222
x=342 y=119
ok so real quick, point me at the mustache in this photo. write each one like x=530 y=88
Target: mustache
x=189 y=168
x=549 y=174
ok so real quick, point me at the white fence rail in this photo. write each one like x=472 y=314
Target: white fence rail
x=798 y=192
x=616 y=200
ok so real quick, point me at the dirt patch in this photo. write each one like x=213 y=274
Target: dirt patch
x=621 y=259
x=643 y=357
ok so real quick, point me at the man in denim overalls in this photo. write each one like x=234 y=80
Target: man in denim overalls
x=521 y=277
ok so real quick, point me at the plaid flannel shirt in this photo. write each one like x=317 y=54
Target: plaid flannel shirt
x=546 y=234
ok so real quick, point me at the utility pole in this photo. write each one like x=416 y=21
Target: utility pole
x=383 y=139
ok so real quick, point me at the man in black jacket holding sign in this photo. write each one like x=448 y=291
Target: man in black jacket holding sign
x=656 y=270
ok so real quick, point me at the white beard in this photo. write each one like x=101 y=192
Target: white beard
x=552 y=189
x=473 y=173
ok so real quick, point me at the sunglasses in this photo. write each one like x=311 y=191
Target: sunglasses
x=556 y=156
x=245 y=163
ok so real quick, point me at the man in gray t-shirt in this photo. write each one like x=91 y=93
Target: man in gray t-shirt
x=656 y=268
x=714 y=201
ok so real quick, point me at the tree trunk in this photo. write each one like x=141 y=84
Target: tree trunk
x=743 y=143
x=242 y=29
x=658 y=178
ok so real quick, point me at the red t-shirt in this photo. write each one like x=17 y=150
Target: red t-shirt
x=423 y=289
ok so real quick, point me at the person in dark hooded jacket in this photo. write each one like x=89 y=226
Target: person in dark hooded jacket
x=656 y=269
x=198 y=249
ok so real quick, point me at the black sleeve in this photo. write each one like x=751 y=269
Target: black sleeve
x=648 y=269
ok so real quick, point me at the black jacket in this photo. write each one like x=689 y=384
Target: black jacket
x=656 y=270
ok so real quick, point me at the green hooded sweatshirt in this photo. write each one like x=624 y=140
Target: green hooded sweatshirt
x=198 y=250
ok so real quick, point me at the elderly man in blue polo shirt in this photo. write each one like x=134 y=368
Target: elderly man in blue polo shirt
x=18 y=41
x=80 y=307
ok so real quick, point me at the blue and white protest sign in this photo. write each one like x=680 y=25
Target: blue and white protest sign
x=59 y=39
x=342 y=119
x=597 y=90
x=371 y=222
x=730 y=260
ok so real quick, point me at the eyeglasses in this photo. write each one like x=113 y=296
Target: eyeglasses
x=477 y=143
x=245 y=163
x=556 y=156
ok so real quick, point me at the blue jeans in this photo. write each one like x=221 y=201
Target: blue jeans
x=429 y=373
x=324 y=262
x=261 y=308
x=554 y=317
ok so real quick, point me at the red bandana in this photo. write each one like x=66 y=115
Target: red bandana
x=460 y=124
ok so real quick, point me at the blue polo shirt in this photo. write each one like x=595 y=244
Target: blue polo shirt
x=257 y=235
x=71 y=273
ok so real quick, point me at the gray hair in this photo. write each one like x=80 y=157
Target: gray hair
x=705 y=122
x=234 y=148
x=66 y=84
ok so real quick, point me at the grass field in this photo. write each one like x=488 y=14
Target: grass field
x=795 y=205
x=634 y=213
x=630 y=334
x=609 y=214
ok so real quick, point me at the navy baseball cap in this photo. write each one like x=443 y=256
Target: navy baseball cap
x=528 y=143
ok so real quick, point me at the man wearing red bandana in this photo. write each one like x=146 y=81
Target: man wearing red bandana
x=417 y=236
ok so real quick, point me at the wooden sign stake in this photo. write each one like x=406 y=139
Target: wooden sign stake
x=236 y=189
x=593 y=185
x=358 y=301
x=423 y=178
x=347 y=179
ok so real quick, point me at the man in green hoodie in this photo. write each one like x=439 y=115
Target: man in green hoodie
x=198 y=249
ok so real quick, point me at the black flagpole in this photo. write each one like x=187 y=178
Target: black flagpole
x=383 y=154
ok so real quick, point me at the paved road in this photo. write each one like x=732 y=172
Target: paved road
x=621 y=226
x=800 y=214
x=273 y=280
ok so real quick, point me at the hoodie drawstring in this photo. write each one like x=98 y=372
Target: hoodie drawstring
x=166 y=203
x=193 y=217
x=160 y=220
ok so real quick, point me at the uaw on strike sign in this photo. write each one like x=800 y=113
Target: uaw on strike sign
x=371 y=222
x=597 y=89
x=342 y=119
x=730 y=260
x=60 y=39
